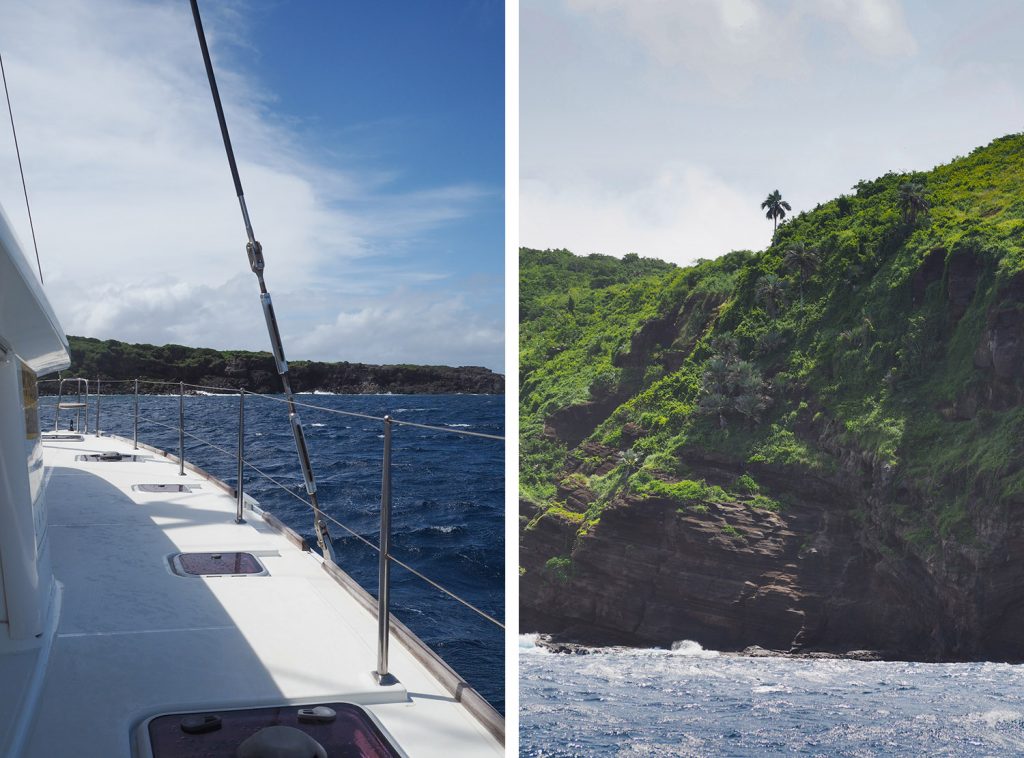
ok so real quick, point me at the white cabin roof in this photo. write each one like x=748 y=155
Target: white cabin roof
x=134 y=640
x=28 y=325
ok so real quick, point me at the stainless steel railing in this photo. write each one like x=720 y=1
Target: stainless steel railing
x=78 y=405
x=383 y=548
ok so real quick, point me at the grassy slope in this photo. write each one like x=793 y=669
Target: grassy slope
x=849 y=347
x=574 y=314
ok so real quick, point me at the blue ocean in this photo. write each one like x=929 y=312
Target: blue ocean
x=447 y=495
x=695 y=702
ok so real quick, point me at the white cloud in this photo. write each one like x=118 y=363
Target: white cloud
x=660 y=126
x=139 y=230
x=879 y=26
x=161 y=311
x=405 y=327
x=729 y=43
x=679 y=214
x=734 y=44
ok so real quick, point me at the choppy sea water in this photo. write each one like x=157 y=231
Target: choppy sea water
x=695 y=702
x=447 y=495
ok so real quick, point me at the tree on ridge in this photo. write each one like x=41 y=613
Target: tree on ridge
x=777 y=208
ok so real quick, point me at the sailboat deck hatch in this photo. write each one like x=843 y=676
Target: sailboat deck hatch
x=341 y=728
x=112 y=457
x=165 y=487
x=216 y=564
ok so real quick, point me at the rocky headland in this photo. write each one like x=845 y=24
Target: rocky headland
x=256 y=372
x=813 y=454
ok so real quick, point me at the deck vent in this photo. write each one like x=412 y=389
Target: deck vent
x=62 y=437
x=111 y=457
x=166 y=487
x=216 y=564
x=349 y=730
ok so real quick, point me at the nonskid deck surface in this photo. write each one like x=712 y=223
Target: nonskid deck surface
x=135 y=640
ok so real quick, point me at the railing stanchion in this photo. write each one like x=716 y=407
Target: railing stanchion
x=98 y=388
x=56 y=412
x=181 y=429
x=135 y=424
x=240 y=488
x=384 y=566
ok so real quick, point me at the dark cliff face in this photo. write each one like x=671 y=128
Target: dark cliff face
x=833 y=572
x=256 y=372
x=873 y=498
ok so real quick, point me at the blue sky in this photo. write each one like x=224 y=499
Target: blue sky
x=370 y=139
x=414 y=86
x=658 y=127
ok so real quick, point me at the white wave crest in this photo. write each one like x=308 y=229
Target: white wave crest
x=691 y=649
x=998 y=715
x=528 y=645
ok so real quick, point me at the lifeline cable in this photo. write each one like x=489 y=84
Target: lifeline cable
x=17 y=151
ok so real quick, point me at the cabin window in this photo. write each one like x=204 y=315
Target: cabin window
x=33 y=448
x=30 y=401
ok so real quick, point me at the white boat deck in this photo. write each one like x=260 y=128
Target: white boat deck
x=135 y=640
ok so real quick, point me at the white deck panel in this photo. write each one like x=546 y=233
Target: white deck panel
x=135 y=640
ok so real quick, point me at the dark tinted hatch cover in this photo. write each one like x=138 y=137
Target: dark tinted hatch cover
x=111 y=457
x=165 y=487
x=215 y=734
x=205 y=564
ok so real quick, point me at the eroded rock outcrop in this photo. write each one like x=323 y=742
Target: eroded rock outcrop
x=832 y=572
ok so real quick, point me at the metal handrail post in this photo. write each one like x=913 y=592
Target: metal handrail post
x=98 y=387
x=181 y=429
x=384 y=566
x=84 y=430
x=56 y=412
x=240 y=487
x=135 y=425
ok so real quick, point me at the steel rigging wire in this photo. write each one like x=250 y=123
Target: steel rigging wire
x=17 y=151
x=255 y=252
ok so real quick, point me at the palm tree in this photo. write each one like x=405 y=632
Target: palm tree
x=771 y=293
x=777 y=208
x=732 y=386
x=802 y=261
x=912 y=201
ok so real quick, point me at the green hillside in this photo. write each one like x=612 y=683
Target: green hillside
x=876 y=345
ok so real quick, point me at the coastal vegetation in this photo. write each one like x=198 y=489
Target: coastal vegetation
x=255 y=371
x=860 y=379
